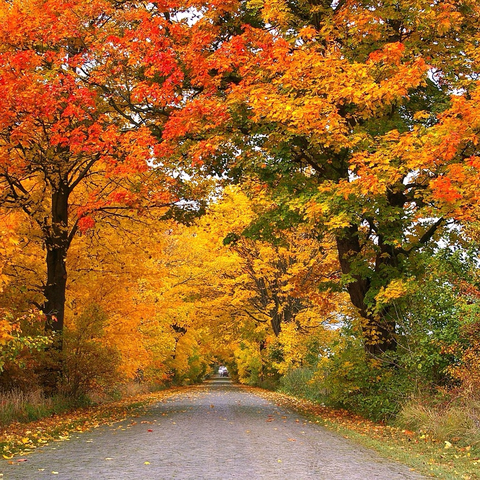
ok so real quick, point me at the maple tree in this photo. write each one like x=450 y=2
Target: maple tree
x=350 y=130
x=360 y=115
x=277 y=282
x=155 y=273
x=149 y=314
x=68 y=156
x=194 y=317
x=245 y=297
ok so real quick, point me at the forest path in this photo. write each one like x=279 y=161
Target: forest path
x=214 y=431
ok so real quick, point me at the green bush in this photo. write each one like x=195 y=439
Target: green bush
x=302 y=382
x=429 y=320
x=361 y=384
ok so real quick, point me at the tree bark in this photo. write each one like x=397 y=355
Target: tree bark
x=378 y=330
x=56 y=242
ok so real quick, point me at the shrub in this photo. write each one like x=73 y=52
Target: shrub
x=302 y=382
x=88 y=363
x=361 y=384
x=456 y=420
x=249 y=363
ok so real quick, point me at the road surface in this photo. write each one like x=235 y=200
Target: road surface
x=213 y=431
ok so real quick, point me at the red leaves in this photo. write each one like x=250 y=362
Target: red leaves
x=198 y=116
x=444 y=190
x=85 y=223
x=391 y=53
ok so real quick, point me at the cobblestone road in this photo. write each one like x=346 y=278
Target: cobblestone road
x=215 y=431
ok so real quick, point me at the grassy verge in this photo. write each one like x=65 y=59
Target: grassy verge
x=419 y=450
x=17 y=406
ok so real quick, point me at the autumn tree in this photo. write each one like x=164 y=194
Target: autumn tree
x=280 y=281
x=239 y=295
x=68 y=155
x=361 y=116
x=129 y=253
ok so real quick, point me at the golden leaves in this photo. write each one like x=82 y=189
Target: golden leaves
x=5 y=332
x=396 y=289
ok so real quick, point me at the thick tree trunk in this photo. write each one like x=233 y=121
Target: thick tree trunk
x=56 y=241
x=54 y=292
x=378 y=331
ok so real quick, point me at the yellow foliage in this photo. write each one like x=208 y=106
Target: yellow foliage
x=5 y=332
x=397 y=288
x=9 y=244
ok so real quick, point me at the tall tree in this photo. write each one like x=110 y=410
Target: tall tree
x=278 y=281
x=67 y=154
x=361 y=115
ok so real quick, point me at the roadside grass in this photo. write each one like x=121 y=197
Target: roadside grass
x=457 y=421
x=420 y=450
x=22 y=407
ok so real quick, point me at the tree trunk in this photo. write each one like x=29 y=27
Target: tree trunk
x=54 y=306
x=56 y=242
x=276 y=323
x=378 y=331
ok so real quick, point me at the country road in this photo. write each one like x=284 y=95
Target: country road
x=213 y=431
